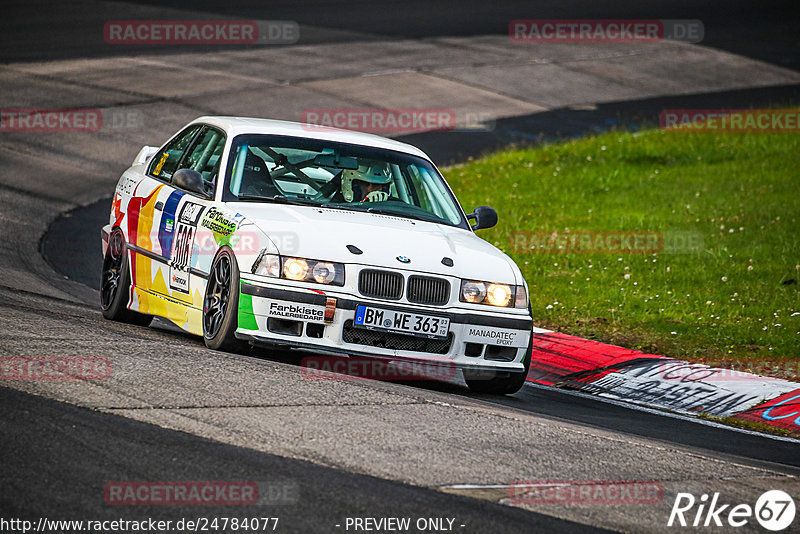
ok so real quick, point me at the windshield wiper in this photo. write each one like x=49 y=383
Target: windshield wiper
x=379 y=211
x=282 y=199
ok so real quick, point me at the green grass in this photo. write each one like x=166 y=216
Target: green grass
x=732 y=300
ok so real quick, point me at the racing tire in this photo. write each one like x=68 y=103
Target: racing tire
x=499 y=382
x=221 y=304
x=115 y=283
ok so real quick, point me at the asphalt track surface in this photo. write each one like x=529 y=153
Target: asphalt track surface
x=81 y=446
x=176 y=411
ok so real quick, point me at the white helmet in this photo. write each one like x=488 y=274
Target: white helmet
x=373 y=174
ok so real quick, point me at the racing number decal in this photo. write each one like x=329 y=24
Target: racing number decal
x=182 y=246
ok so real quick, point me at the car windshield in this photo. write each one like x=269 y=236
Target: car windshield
x=267 y=168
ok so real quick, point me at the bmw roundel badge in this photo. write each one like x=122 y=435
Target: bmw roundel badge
x=403 y=259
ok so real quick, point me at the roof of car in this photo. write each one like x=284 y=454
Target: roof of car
x=248 y=125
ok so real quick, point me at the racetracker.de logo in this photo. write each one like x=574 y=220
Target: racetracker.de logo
x=69 y=120
x=731 y=120
x=604 y=31
x=595 y=492
x=55 y=368
x=605 y=242
x=333 y=368
x=375 y=120
x=50 y=120
x=200 y=32
x=181 y=493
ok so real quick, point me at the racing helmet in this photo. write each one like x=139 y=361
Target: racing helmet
x=373 y=174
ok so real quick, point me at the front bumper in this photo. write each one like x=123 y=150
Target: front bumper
x=290 y=316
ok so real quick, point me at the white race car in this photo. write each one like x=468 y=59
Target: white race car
x=331 y=241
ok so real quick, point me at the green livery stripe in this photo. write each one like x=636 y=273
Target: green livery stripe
x=247 y=319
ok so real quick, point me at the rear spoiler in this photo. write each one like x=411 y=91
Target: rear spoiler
x=145 y=154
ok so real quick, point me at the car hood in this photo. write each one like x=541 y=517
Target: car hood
x=324 y=233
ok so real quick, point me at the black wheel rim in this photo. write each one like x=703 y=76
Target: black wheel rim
x=217 y=296
x=112 y=269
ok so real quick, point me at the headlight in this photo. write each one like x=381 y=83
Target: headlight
x=324 y=272
x=474 y=292
x=498 y=294
x=502 y=295
x=295 y=268
x=321 y=272
x=267 y=265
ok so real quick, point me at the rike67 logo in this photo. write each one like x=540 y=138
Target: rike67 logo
x=774 y=510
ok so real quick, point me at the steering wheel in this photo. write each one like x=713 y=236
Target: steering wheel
x=376 y=196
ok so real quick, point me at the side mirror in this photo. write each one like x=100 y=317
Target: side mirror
x=190 y=180
x=485 y=217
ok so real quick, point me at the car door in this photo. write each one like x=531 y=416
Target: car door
x=149 y=230
x=180 y=233
x=178 y=212
x=181 y=215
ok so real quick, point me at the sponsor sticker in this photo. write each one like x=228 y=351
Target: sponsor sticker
x=126 y=185
x=216 y=221
x=297 y=311
x=496 y=336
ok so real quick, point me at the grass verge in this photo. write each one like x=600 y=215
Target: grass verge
x=721 y=287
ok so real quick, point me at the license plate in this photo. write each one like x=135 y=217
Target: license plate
x=399 y=321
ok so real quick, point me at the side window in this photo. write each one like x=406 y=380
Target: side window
x=165 y=164
x=205 y=155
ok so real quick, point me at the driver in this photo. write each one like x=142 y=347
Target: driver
x=369 y=183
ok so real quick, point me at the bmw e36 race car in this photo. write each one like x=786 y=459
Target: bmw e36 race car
x=285 y=234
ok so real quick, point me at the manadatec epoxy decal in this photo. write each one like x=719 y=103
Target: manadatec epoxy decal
x=166 y=229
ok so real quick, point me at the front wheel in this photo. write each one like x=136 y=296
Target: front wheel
x=115 y=284
x=221 y=303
